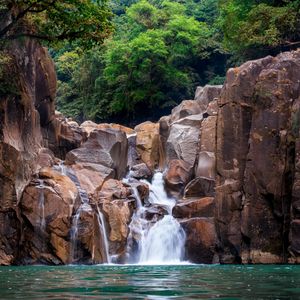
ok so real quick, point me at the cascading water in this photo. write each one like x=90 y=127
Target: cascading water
x=102 y=229
x=42 y=222
x=162 y=242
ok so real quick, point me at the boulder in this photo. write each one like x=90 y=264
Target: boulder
x=200 y=187
x=147 y=143
x=107 y=148
x=183 y=139
x=141 y=171
x=201 y=240
x=178 y=174
x=117 y=203
x=205 y=95
x=194 y=207
x=184 y=109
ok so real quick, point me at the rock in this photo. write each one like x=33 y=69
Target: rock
x=62 y=135
x=47 y=206
x=88 y=126
x=128 y=131
x=133 y=157
x=255 y=161
x=201 y=240
x=107 y=148
x=200 y=187
x=208 y=134
x=206 y=166
x=178 y=174
x=183 y=139
x=155 y=213
x=184 y=109
x=45 y=158
x=205 y=95
x=117 y=204
x=141 y=171
x=147 y=143
x=195 y=207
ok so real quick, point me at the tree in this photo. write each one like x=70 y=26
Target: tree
x=255 y=28
x=54 y=20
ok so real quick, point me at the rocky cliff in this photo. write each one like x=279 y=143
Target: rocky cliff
x=231 y=159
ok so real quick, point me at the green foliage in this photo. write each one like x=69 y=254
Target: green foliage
x=152 y=62
x=251 y=28
x=7 y=82
x=85 y=21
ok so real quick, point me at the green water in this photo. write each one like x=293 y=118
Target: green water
x=151 y=282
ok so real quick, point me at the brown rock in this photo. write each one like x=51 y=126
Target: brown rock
x=206 y=166
x=178 y=174
x=200 y=187
x=201 y=240
x=141 y=171
x=184 y=109
x=191 y=208
x=107 y=148
x=147 y=143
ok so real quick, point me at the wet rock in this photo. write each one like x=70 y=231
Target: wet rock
x=191 y=208
x=200 y=187
x=147 y=143
x=107 y=148
x=141 y=171
x=155 y=213
x=178 y=174
x=201 y=240
x=47 y=206
x=117 y=204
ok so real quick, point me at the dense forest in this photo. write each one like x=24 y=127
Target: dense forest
x=132 y=60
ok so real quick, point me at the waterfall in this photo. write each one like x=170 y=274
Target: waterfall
x=162 y=242
x=102 y=229
x=41 y=200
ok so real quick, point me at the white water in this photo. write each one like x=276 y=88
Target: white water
x=164 y=241
x=42 y=222
x=103 y=231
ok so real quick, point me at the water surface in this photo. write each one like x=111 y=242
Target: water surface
x=151 y=282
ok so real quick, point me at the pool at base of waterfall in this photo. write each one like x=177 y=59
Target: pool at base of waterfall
x=151 y=282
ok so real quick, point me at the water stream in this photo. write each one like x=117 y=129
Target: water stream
x=41 y=200
x=155 y=241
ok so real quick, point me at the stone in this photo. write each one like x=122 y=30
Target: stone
x=194 y=207
x=183 y=139
x=178 y=174
x=141 y=171
x=201 y=240
x=104 y=147
x=208 y=134
x=255 y=160
x=147 y=143
x=206 y=166
x=205 y=95
x=200 y=187
x=184 y=109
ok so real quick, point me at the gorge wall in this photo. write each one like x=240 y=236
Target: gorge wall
x=231 y=158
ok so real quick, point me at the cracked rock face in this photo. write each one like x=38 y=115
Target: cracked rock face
x=257 y=158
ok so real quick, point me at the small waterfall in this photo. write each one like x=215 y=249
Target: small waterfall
x=103 y=231
x=162 y=242
x=41 y=200
x=84 y=206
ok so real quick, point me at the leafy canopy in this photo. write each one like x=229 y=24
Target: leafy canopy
x=53 y=20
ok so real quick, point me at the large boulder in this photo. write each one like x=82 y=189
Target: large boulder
x=256 y=159
x=200 y=187
x=117 y=203
x=183 y=139
x=194 y=207
x=148 y=143
x=201 y=240
x=205 y=95
x=47 y=206
x=107 y=147
x=176 y=177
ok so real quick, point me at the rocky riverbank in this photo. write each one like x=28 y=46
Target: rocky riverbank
x=231 y=158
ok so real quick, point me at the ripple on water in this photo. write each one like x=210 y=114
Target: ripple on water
x=150 y=282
